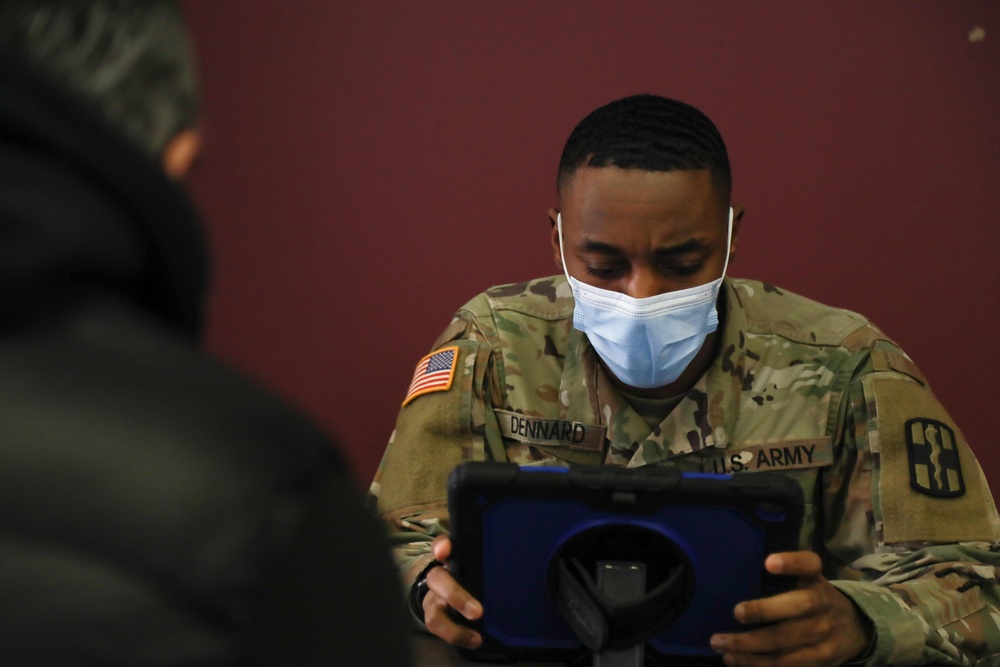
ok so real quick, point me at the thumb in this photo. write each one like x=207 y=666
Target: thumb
x=441 y=548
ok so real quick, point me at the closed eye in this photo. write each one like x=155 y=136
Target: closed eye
x=606 y=272
x=681 y=269
x=685 y=259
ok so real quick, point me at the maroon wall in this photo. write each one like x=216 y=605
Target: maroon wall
x=372 y=165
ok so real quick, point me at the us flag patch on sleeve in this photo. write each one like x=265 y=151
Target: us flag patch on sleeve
x=435 y=372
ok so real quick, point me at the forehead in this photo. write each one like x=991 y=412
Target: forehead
x=599 y=200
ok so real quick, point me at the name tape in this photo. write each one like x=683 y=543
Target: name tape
x=551 y=432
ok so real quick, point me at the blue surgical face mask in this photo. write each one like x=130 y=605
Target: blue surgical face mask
x=646 y=342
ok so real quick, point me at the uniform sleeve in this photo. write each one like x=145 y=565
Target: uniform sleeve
x=435 y=431
x=912 y=532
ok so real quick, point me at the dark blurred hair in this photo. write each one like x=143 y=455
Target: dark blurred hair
x=132 y=58
x=651 y=133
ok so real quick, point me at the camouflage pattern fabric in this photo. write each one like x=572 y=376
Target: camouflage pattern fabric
x=897 y=506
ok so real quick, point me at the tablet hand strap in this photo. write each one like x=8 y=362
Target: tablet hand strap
x=602 y=623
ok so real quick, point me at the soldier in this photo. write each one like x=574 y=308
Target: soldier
x=643 y=352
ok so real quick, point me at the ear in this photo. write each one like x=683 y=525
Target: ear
x=738 y=212
x=180 y=153
x=554 y=238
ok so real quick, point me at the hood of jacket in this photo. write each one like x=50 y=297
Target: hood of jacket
x=82 y=209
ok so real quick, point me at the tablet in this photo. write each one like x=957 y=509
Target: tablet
x=528 y=542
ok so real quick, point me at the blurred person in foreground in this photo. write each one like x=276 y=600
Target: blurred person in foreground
x=644 y=351
x=155 y=507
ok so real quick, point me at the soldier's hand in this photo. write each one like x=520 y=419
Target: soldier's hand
x=444 y=593
x=815 y=624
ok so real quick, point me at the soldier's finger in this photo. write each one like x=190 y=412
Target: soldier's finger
x=440 y=624
x=795 y=563
x=444 y=586
x=771 y=639
x=441 y=547
x=790 y=604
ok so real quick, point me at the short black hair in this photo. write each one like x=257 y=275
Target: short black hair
x=132 y=58
x=651 y=133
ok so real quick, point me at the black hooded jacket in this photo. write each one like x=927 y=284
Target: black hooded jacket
x=155 y=507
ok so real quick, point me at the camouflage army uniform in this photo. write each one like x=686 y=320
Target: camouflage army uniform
x=817 y=392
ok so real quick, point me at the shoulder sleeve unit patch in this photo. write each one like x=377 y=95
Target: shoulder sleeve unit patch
x=930 y=487
x=434 y=372
x=933 y=455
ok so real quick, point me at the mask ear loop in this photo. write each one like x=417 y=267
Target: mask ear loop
x=729 y=243
x=562 y=252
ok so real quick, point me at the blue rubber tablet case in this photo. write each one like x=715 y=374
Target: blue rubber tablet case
x=514 y=530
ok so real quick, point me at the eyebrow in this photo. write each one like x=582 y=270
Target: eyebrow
x=691 y=245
